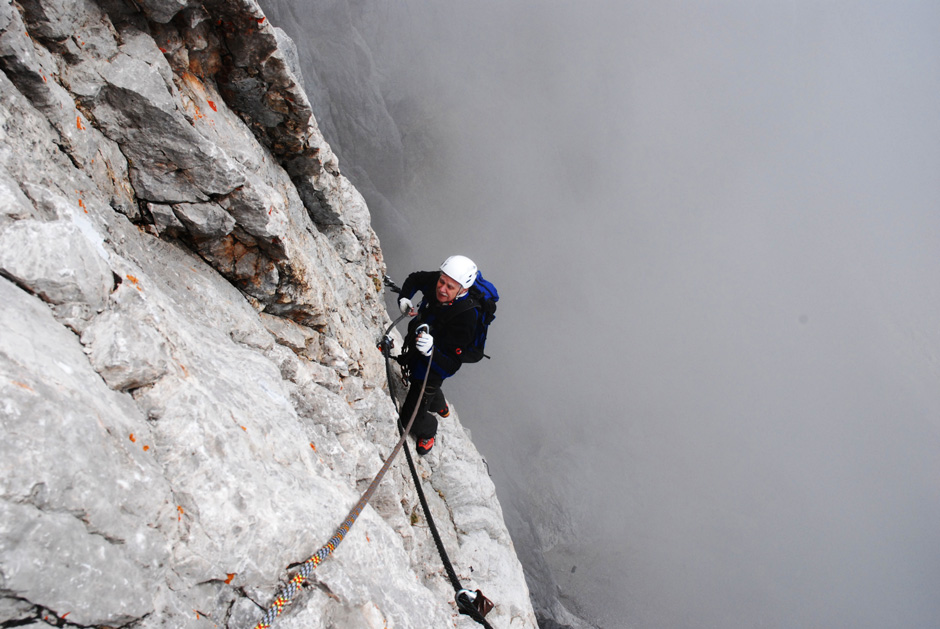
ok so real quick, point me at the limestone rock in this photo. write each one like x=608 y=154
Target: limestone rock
x=13 y=203
x=80 y=496
x=55 y=261
x=128 y=355
x=204 y=220
x=190 y=393
x=165 y=220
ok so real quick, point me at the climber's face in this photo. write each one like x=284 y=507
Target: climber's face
x=447 y=289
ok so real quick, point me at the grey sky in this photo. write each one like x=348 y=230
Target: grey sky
x=716 y=228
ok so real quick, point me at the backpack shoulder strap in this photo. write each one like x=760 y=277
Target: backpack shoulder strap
x=462 y=306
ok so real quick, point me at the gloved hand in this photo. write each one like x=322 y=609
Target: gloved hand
x=425 y=343
x=405 y=305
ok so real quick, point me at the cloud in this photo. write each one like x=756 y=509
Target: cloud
x=714 y=226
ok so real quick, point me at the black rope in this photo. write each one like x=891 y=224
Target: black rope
x=464 y=604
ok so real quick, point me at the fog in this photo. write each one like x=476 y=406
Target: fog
x=714 y=397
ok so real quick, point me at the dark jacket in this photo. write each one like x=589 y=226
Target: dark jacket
x=452 y=326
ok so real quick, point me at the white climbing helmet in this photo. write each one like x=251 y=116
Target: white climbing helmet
x=460 y=268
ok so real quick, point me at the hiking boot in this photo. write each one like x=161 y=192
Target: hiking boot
x=444 y=412
x=424 y=445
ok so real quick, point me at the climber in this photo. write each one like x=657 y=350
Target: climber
x=445 y=321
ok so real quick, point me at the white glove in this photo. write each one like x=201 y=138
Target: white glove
x=425 y=343
x=405 y=305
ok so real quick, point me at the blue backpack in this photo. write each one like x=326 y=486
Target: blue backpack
x=483 y=296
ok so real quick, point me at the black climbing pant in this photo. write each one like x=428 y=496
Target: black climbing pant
x=425 y=424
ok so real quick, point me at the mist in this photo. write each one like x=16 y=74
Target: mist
x=714 y=397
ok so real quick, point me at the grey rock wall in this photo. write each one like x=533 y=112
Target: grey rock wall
x=190 y=295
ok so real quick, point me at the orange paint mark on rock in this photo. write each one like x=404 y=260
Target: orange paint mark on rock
x=313 y=447
x=245 y=429
x=133 y=438
x=81 y=204
x=229 y=577
x=133 y=280
x=162 y=49
x=78 y=123
x=211 y=104
x=179 y=509
x=193 y=83
x=146 y=448
x=260 y=20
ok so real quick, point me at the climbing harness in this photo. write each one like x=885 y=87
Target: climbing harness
x=302 y=574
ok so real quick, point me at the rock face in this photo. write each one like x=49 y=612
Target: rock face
x=190 y=296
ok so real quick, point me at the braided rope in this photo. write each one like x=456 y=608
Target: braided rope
x=296 y=582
